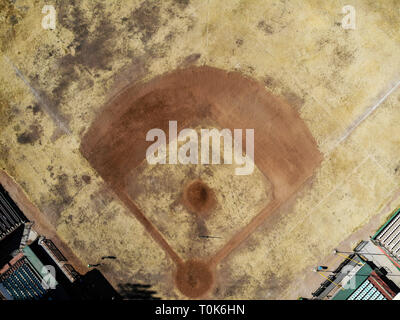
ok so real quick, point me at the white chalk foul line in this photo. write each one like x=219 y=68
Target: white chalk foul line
x=365 y=115
x=337 y=186
x=58 y=122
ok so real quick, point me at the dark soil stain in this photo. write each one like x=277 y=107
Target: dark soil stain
x=129 y=74
x=239 y=42
x=101 y=198
x=182 y=3
x=269 y=82
x=30 y=136
x=266 y=28
x=291 y=97
x=7 y=111
x=35 y=109
x=60 y=189
x=86 y=179
x=9 y=17
x=342 y=56
x=79 y=244
x=54 y=204
x=77 y=181
x=4 y=152
x=93 y=49
x=191 y=59
x=63 y=199
x=146 y=19
x=294 y=100
x=50 y=169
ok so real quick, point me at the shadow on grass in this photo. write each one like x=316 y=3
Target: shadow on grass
x=136 y=291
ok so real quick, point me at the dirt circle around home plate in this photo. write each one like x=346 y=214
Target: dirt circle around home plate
x=194 y=278
x=199 y=198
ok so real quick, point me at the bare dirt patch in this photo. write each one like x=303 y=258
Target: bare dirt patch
x=30 y=136
x=194 y=278
x=115 y=145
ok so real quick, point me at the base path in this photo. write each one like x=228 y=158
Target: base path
x=284 y=149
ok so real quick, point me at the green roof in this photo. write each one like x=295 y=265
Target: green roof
x=34 y=260
x=360 y=277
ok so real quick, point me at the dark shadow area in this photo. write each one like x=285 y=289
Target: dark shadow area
x=93 y=286
x=136 y=291
x=9 y=245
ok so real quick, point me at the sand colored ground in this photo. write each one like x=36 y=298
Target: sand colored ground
x=298 y=50
x=284 y=152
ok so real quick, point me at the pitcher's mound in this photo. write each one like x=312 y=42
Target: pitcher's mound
x=199 y=198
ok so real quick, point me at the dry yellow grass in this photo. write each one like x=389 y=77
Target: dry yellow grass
x=157 y=189
x=297 y=48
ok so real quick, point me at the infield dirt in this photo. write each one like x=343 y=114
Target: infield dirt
x=285 y=152
x=296 y=50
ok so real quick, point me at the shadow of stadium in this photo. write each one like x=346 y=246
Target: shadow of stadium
x=136 y=291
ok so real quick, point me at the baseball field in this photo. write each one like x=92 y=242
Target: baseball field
x=76 y=103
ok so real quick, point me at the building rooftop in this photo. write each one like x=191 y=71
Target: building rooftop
x=368 y=283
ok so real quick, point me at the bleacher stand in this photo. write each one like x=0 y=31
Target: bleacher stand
x=21 y=281
x=11 y=217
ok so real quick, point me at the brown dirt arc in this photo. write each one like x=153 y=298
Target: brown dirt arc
x=284 y=149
